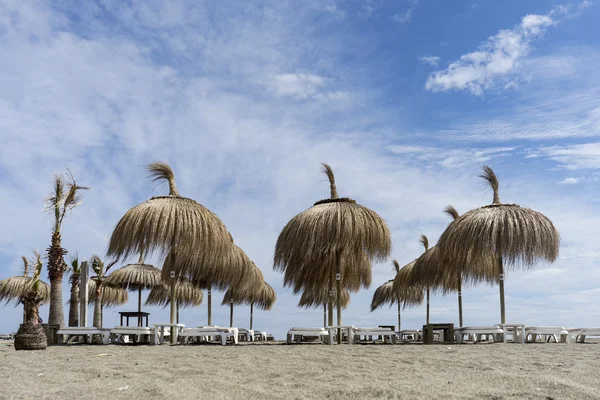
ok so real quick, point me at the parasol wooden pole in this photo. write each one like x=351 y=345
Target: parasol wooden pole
x=177 y=310
x=324 y=315
x=140 y=306
x=251 y=314
x=502 y=306
x=173 y=307
x=231 y=313
x=427 y=306
x=460 y=313
x=209 y=306
x=330 y=304
x=338 y=281
x=399 y=319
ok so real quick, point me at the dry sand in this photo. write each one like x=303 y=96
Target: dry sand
x=273 y=371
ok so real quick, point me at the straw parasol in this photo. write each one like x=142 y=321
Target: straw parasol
x=314 y=298
x=504 y=234
x=432 y=272
x=404 y=297
x=263 y=297
x=226 y=270
x=15 y=287
x=164 y=223
x=331 y=242
x=138 y=276
x=248 y=291
x=110 y=296
x=186 y=295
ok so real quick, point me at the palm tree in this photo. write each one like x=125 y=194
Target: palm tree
x=335 y=240
x=31 y=335
x=404 y=297
x=500 y=234
x=166 y=223
x=65 y=196
x=100 y=269
x=74 y=280
x=108 y=296
x=15 y=287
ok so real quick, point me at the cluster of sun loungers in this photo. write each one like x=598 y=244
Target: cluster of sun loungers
x=158 y=333
x=516 y=333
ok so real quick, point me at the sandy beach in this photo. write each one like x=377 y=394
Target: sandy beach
x=272 y=371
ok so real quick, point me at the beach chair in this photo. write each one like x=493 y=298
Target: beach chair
x=578 y=335
x=139 y=334
x=388 y=334
x=409 y=335
x=245 y=335
x=204 y=332
x=260 y=335
x=296 y=334
x=547 y=332
x=63 y=335
x=476 y=333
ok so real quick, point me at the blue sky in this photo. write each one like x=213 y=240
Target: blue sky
x=406 y=100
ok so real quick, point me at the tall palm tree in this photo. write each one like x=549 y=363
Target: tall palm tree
x=504 y=234
x=65 y=196
x=74 y=280
x=31 y=335
x=333 y=241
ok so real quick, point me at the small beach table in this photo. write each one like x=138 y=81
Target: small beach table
x=159 y=332
x=517 y=330
x=333 y=331
x=135 y=314
x=447 y=328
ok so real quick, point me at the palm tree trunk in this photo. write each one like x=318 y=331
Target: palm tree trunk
x=501 y=276
x=31 y=335
x=98 y=310
x=209 y=305
x=56 y=316
x=427 y=306
x=74 y=305
x=460 y=313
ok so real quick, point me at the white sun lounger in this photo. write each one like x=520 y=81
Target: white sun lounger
x=579 y=335
x=246 y=334
x=210 y=331
x=387 y=333
x=260 y=335
x=531 y=333
x=120 y=334
x=64 y=334
x=476 y=332
x=409 y=334
x=294 y=332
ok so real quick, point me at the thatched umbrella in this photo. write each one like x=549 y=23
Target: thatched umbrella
x=248 y=291
x=15 y=287
x=110 y=296
x=505 y=234
x=138 y=276
x=315 y=298
x=331 y=241
x=226 y=270
x=263 y=296
x=430 y=271
x=164 y=223
x=404 y=297
x=401 y=284
x=186 y=295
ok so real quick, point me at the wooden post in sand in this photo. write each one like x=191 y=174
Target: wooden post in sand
x=83 y=293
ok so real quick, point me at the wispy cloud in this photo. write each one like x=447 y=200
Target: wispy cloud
x=579 y=156
x=496 y=63
x=569 y=181
x=406 y=16
x=451 y=158
x=431 y=60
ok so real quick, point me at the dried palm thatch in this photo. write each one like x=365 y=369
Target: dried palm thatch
x=248 y=291
x=504 y=234
x=187 y=295
x=405 y=296
x=221 y=272
x=335 y=236
x=163 y=223
x=312 y=298
x=263 y=297
x=15 y=287
x=111 y=296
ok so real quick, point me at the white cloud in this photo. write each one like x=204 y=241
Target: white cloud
x=580 y=156
x=431 y=60
x=451 y=158
x=569 y=181
x=300 y=86
x=403 y=18
x=496 y=62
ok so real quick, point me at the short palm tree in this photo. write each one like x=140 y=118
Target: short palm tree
x=65 y=196
x=31 y=335
x=100 y=269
